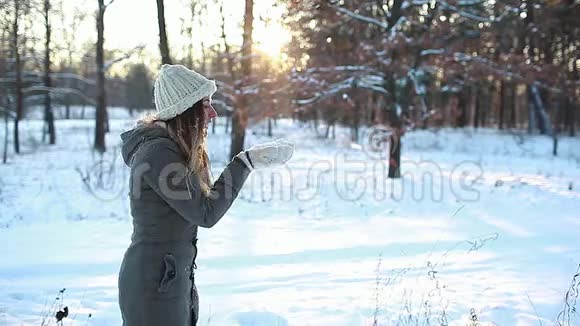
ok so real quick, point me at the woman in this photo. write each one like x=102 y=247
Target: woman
x=171 y=195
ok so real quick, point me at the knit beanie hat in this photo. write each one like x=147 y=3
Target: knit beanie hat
x=177 y=89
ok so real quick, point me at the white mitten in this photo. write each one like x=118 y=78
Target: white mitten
x=269 y=154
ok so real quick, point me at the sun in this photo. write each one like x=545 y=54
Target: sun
x=272 y=40
x=270 y=36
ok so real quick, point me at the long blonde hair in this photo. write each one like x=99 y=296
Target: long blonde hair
x=189 y=132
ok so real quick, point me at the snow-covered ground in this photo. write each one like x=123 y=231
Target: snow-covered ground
x=482 y=226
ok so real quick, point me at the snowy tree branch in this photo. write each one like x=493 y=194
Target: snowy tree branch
x=338 y=69
x=367 y=19
x=475 y=17
x=372 y=82
x=432 y=51
x=464 y=57
x=223 y=105
x=224 y=85
x=320 y=96
x=280 y=90
x=393 y=29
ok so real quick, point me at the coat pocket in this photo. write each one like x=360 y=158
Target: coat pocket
x=169 y=273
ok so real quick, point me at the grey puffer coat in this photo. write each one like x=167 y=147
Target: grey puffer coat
x=156 y=284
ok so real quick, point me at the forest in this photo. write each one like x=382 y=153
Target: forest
x=508 y=65
x=428 y=161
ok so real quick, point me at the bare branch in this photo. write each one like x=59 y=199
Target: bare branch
x=253 y=55
x=127 y=55
x=12 y=114
x=108 y=4
x=62 y=90
x=36 y=77
x=68 y=75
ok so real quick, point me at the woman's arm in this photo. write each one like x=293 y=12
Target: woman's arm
x=163 y=169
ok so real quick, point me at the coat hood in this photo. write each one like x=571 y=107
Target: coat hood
x=140 y=134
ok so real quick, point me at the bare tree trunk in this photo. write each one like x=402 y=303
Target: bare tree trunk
x=512 y=101
x=239 y=120
x=532 y=124
x=230 y=70
x=488 y=108
x=238 y=128
x=568 y=116
x=540 y=111
x=190 y=52
x=355 y=120
x=4 y=100
x=501 y=103
x=477 y=111
x=572 y=118
x=107 y=129
x=315 y=120
x=333 y=134
x=189 y=34
x=100 y=114
x=228 y=120
x=396 y=123
x=572 y=106
x=395 y=153
x=19 y=94
x=163 y=44
x=48 y=113
x=203 y=58
x=327 y=131
x=5 y=154
x=558 y=107
x=461 y=120
x=226 y=44
x=202 y=13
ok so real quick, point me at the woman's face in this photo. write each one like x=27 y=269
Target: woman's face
x=209 y=111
